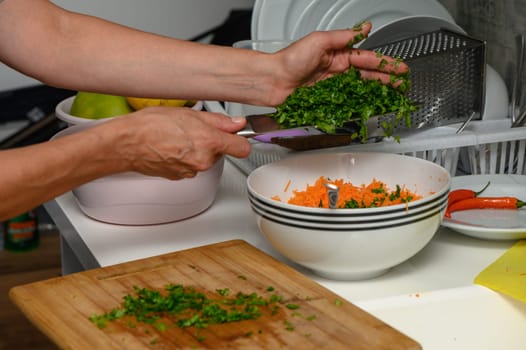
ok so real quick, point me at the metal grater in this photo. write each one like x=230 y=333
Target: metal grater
x=447 y=77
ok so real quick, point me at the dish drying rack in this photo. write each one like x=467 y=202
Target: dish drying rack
x=484 y=147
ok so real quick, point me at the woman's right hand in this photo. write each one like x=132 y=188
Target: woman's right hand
x=174 y=143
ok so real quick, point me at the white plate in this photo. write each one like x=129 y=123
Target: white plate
x=293 y=19
x=380 y=12
x=268 y=18
x=310 y=17
x=272 y=19
x=296 y=10
x=493 y=224
x=331 y=13
x=406 y=27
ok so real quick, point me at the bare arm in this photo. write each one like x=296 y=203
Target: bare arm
x=158 y=141
x=81 y=52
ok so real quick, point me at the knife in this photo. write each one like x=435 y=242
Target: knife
x=264 y=128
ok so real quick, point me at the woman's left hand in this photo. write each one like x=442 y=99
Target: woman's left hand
x=320 y=55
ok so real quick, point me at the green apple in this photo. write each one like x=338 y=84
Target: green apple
x=98 y=106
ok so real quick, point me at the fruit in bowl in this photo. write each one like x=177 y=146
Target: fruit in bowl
x=86 y=107
x=349 y=243
x=98 y=106
x=138 y=103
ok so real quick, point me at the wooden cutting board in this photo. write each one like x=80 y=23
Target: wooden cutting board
x=60 y=307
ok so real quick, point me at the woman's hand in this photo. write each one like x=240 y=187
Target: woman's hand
x=175 y=143
x=320 y=55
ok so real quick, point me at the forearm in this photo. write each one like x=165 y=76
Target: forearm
x=81 y=52
x=35 y=174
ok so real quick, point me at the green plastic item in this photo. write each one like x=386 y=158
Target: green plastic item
x=21 y=232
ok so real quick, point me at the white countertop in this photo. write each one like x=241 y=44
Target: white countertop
x=430 y=297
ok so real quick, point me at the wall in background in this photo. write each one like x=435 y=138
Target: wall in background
x=497 y=22
x=178 y=18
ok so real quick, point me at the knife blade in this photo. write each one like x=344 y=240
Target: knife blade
x=264 y=128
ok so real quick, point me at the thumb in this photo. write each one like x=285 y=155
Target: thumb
x=225 y=123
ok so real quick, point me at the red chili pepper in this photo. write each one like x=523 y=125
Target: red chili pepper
x=461 y=194
x=486 y=203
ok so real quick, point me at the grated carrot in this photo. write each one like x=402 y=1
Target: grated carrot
x=374 y=194
x=287 y=186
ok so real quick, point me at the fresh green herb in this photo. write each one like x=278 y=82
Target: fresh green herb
x=344 y=97
x=160 y=326
x=187 y=307
x=184 y=307
x=289 y=326
x=382 y=64
x=396 y=194
x=274 y=298
x=356 y=39
x=338 y=302
x=352 y=204
x=379 y=190
x=358 y=27
x=223 y=292
x=407 y=199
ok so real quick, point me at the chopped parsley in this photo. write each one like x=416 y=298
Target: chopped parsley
x=345 y=97
x=179 y=306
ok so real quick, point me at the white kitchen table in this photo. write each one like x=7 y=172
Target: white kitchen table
x=430 y=297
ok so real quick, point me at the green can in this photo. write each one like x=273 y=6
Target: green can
x=21 y=232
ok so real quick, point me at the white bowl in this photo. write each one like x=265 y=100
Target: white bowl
x=349 y=244
x=134 y=199
x=349 y=254
x=295 y=172
x=62 y=112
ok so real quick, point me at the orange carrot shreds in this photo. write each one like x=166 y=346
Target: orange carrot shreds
x=287 y=186
x=375 y=194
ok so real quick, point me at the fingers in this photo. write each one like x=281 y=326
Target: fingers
x=373 y=61
x=341 y=38
x=360 y=32
x=233 y=145
x=225 y=123
x=177 y=143
x=388 y=79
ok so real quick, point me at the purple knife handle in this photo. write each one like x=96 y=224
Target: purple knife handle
x=267 y=137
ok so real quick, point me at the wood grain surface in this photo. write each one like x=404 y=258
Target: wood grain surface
x=60 y=307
